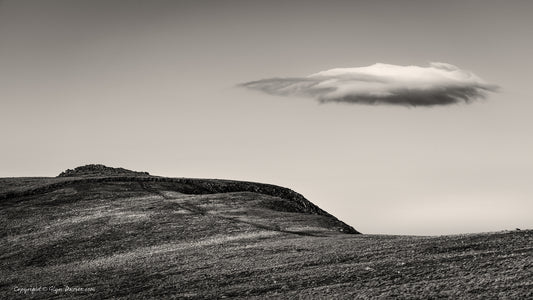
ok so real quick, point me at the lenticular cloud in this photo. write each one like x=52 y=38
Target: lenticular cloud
x=437 y=84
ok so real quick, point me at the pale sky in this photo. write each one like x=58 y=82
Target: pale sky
x=153 y=86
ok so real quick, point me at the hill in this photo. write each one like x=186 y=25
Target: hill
x=103 y=232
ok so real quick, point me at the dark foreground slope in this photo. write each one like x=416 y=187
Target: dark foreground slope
x=130 y=235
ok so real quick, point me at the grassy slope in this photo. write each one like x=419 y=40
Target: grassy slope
x=152 y=238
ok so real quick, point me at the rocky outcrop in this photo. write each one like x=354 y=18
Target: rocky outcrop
x=99 y=171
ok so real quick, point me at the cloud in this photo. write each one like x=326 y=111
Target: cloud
x=437 y=84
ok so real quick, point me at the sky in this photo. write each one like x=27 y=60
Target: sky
x=157 y=86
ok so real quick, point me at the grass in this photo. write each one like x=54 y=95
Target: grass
x=139 y=237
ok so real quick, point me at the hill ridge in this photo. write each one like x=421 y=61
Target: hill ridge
x=193 y=186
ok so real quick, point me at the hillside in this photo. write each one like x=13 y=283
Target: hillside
x=102 y=232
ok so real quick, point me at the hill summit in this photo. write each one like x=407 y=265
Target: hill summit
x=93 y=170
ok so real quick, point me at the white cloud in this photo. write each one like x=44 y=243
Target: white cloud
x=437 y=84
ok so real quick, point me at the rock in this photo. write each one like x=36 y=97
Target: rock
x=95 y=170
